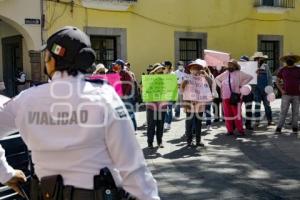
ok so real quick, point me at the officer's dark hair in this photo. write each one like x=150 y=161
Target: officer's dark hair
x=82 y=62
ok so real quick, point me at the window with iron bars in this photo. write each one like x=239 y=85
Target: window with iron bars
x=275 y=3
x=105 y=48
x=272 y=49
x=190 y=49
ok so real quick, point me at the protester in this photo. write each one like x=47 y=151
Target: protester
x=215 y=94
x=180 y=75
x=248 y=100
x=230 y=82
x=194 y=109
x=127 y=88
x=156 y=113
x=169 y=114
x=100 y=69
x=290 y=90
x=216 y=71
x=136 y=90
x=264 y=79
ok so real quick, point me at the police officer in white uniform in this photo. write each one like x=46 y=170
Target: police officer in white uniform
x=74 y=127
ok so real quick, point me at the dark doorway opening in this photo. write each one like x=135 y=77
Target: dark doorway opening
x=12 y=62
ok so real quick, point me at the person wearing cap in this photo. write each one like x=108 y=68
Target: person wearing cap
x=127 y=82
x=290 y=90
x=230 y=82
x=155 y=114
x=194 y=109
x=264 y=79
x=169 y=114
x=248 y=100
x=74 y=127
x=180 y=75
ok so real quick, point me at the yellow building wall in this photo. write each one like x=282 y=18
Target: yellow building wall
x=232 y=26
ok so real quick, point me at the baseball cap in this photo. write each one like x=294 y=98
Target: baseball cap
x=68 y=43
x=244 y=58
x=120 y=62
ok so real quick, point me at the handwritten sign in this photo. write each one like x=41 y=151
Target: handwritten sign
x=197 y=89
x=113 y=79
x=250 y=68
x=157 y=88
x=216 y=58
x=3 y=100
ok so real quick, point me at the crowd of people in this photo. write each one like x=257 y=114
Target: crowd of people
x=82 y=138
x=225 y=83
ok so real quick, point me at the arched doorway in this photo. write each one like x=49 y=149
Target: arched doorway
x=15 y=45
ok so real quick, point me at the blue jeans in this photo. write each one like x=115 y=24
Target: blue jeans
x=259 y=96
x=208 y=114
x=178 y=105
x=129 y=104
x=169 y=114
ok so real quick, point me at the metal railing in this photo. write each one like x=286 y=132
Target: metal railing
x=275 y=3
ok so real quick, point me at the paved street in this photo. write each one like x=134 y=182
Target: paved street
x=260 y=166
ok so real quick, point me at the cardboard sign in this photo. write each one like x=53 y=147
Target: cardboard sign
x=3 y=100
x=158 y=88
x=113 y=79
x=250 y=68
x=197 y=89
x=216 y=58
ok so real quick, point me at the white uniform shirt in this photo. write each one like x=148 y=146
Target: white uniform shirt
x=75 y=128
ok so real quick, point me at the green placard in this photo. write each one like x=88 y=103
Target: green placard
x=157 y=88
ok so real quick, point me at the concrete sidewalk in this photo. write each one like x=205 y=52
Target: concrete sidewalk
x=261 y=165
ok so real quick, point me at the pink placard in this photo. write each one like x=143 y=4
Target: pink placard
x=216 y=58
x=197 y=89
x=113 y=79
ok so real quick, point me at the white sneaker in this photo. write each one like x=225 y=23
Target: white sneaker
x=209 y=127
x=167 y=126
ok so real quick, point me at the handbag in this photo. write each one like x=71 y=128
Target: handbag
x=234 y=97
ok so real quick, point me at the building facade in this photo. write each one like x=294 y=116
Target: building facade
x=20 y=38
x=144 y=32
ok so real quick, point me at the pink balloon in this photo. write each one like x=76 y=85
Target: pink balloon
x=245 y=90
x=271 y=97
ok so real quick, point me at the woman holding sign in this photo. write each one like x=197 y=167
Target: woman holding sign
x=156 y=113
x=196 y=94
x=230 y=82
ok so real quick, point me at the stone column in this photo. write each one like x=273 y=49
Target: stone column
x=36 y=66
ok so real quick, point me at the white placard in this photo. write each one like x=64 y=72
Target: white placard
x=250 y=68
